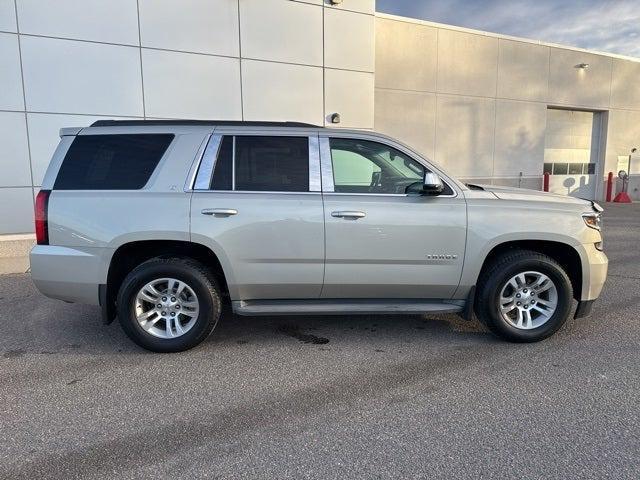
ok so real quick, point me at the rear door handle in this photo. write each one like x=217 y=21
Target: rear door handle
x=219 y=211
x=348 y=214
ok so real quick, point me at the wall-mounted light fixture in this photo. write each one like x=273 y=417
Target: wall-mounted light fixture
x=334 y=118
x=582 y=66
x=335 y=2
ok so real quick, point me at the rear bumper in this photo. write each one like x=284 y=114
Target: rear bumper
x=69 y=274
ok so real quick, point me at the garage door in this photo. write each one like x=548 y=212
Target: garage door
x=571 y=152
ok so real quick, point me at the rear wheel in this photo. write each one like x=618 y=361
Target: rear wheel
x=524 y=296
x=169 y=305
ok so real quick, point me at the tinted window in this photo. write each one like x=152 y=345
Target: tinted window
x=279 y=164
x=223 y=171
x=111 y=162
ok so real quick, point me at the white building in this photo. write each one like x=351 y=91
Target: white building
x=487 y=107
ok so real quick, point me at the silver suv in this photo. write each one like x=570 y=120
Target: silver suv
x=162 y=222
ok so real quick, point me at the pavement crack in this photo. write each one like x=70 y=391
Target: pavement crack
x=14 y=353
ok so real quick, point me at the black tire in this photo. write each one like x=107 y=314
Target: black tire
x=495 y=275
x=194 y=274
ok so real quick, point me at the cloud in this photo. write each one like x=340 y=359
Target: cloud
x=610 y=26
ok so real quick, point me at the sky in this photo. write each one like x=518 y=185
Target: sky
x=609 y=26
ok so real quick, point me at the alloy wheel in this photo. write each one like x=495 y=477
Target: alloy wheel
x=528 y=300
x=166 y=308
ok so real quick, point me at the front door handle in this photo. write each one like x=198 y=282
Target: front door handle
x=348 y=214
x=223 y=212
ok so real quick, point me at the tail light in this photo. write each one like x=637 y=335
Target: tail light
x=42 y=217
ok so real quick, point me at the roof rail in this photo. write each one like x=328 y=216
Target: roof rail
x=230 y=123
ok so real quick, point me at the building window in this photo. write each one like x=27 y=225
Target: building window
x=563 y=168
x=560 y=168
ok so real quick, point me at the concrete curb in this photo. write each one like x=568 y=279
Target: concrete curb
x=14 y=253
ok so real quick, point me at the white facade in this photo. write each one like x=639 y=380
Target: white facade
x=475 y=102
x=495 y=109
x=61 y=65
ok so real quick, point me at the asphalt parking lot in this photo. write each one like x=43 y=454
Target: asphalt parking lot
x=328 y=397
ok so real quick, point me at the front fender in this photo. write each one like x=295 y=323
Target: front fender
x=495 y=222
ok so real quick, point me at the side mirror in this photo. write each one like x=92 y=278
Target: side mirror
x=431 y=185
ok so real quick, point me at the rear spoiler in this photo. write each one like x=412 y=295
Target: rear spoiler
x=70 y=131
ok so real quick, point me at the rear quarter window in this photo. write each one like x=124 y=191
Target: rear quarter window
x=111 y=162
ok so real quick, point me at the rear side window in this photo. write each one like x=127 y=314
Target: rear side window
x=222 y=175
x=111 y=162
x=277 y=164
x=262 y=163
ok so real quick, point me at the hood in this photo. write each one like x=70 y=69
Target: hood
x=511 y=193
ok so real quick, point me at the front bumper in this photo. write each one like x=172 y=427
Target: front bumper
x=595 y=265
x=69 y=274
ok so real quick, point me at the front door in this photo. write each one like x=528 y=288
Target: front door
x=261 y=212
x=380 y=241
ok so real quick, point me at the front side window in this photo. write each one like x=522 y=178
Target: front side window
x=362 y=166
x=262 y=163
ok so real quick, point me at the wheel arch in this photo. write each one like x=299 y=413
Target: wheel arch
x=565 y=254
x=129 y=255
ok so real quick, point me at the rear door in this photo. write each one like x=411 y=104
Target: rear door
x=257 y=204
x=380 y=241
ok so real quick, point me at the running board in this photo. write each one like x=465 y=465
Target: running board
x=345 y=307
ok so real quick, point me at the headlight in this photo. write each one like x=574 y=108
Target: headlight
x=592 y=220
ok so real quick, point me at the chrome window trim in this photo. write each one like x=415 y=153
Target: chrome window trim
x=326 y=166
x=207 y=163
x=271 y=192
x=191 y=178
x=233 y=164
x=315 y=183
x=393 y=194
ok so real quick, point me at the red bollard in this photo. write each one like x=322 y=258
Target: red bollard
x=622 y=197
x=609 y=186
x=545 y=182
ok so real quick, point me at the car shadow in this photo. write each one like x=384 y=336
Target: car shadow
x=48 y=327
x=342 y=329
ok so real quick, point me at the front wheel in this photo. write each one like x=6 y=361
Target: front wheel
x=168 y=305
x=524 y=296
